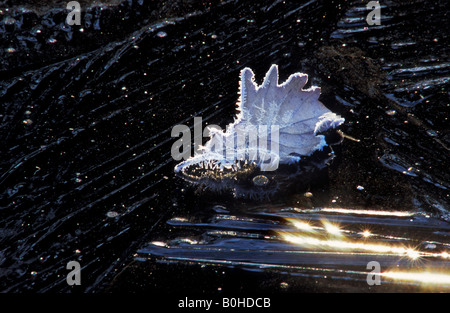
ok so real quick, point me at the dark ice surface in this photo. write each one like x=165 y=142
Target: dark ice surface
x=86 y=172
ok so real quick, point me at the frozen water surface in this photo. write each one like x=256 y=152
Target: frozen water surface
x=86 y=172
